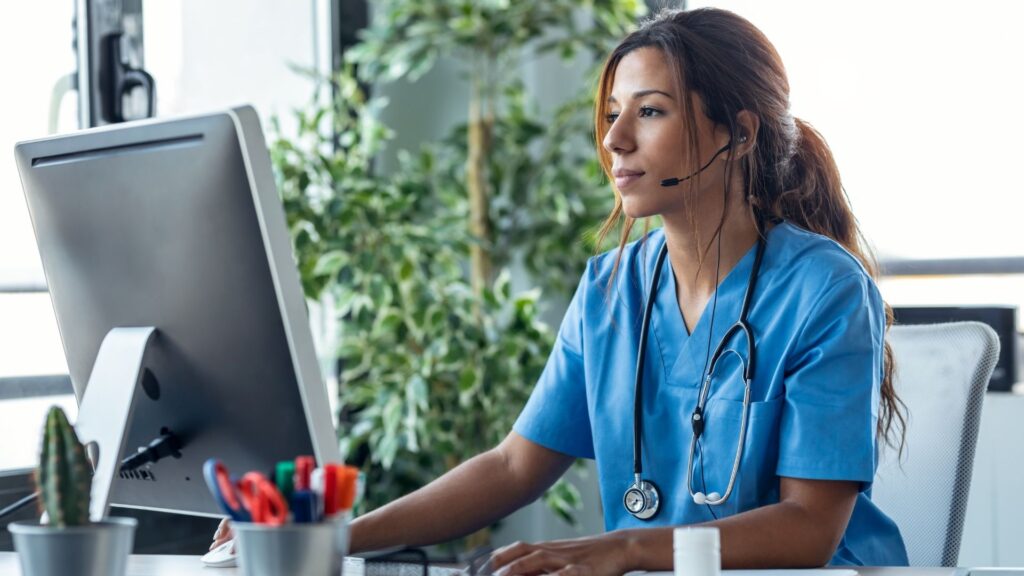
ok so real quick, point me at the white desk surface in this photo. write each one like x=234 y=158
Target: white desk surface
x=140 y=565
x=157 y=565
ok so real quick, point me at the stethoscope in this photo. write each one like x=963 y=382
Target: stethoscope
x=643 y=498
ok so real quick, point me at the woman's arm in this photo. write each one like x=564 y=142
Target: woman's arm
x=802 y=530
x=473 y=495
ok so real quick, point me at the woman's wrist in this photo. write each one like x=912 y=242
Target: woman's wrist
x=630 y=543
x=646 y=548
x=358 y=532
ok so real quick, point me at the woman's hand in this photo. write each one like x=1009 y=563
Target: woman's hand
x=605 y=554
x=223 y=533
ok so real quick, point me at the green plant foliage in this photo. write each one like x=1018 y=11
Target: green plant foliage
x=547 y=194
x=64 y=476
x=432 y=373
x=434 y=370
x=408 y=36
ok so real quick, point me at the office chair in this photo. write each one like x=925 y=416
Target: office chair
x=942 y=372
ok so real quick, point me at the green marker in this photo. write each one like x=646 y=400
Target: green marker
x=284 y=477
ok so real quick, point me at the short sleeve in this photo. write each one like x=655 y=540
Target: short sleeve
x=832 y=386
x=556 y=415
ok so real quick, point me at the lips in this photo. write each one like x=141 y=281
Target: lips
x=624 y=177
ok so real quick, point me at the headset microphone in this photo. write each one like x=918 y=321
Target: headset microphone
x=675 y=181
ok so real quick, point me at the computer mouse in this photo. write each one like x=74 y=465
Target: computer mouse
x=222 y=556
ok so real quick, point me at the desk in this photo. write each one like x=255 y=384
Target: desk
x=165 y=565
x=154 y=565
x=143 y=565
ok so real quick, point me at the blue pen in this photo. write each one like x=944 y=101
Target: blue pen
x=303 y=506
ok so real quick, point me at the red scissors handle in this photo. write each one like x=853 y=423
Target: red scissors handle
x=263 y=500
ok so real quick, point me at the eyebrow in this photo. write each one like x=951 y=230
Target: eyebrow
x=642 y=93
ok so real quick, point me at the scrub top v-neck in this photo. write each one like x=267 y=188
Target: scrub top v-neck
x=680 y=350
x=818 y=323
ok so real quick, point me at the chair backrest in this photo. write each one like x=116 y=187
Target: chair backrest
x=942 y=372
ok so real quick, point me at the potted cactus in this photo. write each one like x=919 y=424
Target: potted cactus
x=65 y=541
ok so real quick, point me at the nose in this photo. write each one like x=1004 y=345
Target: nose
x=618 y=139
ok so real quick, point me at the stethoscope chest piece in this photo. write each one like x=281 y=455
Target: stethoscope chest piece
x=642 y=499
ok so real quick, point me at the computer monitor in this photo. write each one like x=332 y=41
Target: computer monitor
x=177 y=225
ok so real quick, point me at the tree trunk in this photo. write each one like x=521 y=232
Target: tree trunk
x=480 y=126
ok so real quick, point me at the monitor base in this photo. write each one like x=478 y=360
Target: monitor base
x=105 y=408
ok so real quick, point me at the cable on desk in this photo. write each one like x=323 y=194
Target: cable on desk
x=19 y=505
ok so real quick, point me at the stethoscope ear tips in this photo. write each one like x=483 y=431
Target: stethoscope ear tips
x=700 y=499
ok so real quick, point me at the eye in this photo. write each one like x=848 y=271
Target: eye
x=647 y=112
x=610 y=118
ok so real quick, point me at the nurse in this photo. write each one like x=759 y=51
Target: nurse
x=727 y=369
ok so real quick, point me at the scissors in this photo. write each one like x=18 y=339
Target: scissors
x=254 y=498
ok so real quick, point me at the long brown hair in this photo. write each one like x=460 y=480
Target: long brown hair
x=790 y=173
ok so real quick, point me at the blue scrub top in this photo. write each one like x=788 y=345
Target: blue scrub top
x=818 y=324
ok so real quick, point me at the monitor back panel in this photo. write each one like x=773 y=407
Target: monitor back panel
x=157 y=226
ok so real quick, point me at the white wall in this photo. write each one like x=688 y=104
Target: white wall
x=994 y=525
x=209 y=55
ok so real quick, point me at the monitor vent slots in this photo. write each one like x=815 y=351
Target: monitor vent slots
x=132 y=148
x=141 y=474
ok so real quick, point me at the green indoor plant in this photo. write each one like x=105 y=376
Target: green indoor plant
x=437 y=354
x=66 y=541
x=429 y=367
x=531 y=179
x=64 y=476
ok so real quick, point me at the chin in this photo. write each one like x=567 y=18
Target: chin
x=639 y=206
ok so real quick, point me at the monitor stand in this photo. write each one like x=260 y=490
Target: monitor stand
x=106 y=406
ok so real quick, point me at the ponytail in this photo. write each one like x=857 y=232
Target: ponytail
x=814 y=199
x=812 y=194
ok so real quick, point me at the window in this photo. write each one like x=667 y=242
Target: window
x=203 y=56
x=29 y=343
x=44 y=31
x=917 y=101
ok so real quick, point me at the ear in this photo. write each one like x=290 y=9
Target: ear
x=747 y=125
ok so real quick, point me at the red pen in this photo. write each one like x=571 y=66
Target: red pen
x=303 y=470
x=331 y=494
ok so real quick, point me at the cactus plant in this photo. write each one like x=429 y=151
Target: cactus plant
x=64 y=476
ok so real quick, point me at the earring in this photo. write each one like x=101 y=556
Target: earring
x=743 y=138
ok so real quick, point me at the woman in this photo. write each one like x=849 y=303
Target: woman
x=693 y=126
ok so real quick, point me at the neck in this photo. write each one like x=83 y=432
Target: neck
x=686 y=246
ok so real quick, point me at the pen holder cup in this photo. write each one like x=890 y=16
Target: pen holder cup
x=315 y=549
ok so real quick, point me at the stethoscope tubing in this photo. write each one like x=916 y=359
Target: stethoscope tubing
x=741 y=326
x=740 y=443
x=642 y=351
